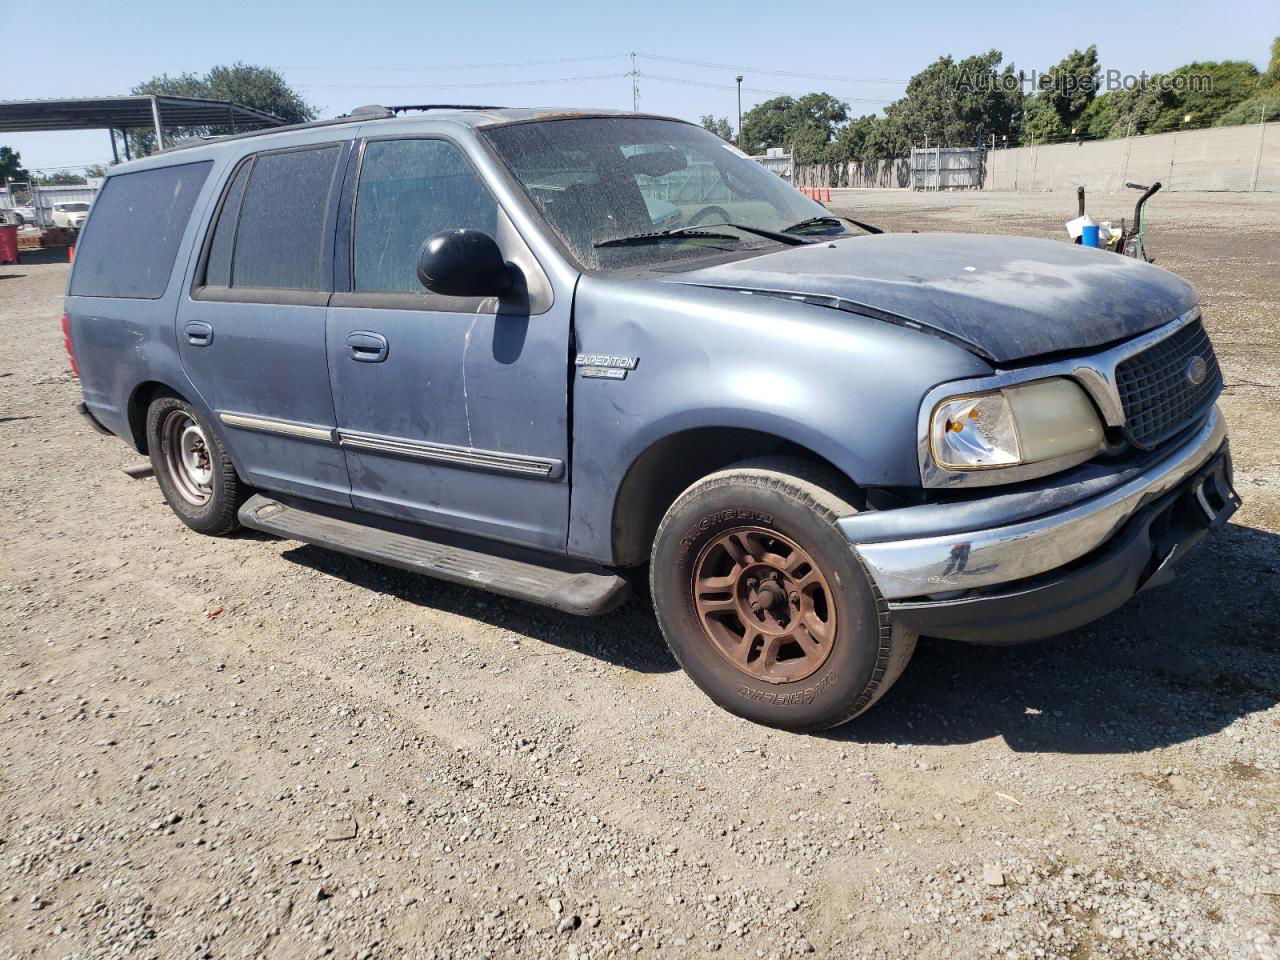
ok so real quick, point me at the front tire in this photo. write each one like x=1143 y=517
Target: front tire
x=764 y=603
x=196 y=476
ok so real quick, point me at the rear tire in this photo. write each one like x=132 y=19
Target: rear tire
x=196 y=476
x=765 y=604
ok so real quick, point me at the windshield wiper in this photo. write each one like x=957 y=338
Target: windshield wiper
x=704 y=230
x=815 y=220
x=787 y=238
x=677 y=234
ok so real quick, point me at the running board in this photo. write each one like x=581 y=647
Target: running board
x=581 y=590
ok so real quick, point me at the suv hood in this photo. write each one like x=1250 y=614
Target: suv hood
x=1003 y=298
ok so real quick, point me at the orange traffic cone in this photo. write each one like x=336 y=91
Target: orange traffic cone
x=828 y=195
x=71 y=253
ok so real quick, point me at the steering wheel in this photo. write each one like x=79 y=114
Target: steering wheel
x=720 y=214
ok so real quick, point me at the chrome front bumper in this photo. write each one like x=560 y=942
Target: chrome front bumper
x=926 y=563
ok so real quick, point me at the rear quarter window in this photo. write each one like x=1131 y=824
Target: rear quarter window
x=131 y=241
x=280 y=240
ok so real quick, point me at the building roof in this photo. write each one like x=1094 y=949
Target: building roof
x=105 y=113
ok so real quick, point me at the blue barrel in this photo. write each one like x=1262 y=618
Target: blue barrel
x=1089 y=235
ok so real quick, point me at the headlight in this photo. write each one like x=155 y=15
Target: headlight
x=1027 y=423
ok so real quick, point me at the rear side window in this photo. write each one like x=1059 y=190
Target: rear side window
x=410 y=190
x=218 y=269
x=280 y=241
x=131 y=241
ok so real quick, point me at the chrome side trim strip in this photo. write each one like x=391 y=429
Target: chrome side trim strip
x=287 y=428
x=961 y=561
x=541 y=468
x=1096 y=373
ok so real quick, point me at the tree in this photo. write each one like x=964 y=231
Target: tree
x=59 y=178
x=1198 y=94
x=950 y=103
x=856 y=138
x=11 y=165
x=1265 y=106
x=1270 y=81
x=720 y=127
x=1265 y=102
x=259 y=87
x=95 y=170
x=807 y=125
x=1064 y=93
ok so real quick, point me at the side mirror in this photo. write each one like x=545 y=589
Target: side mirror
x=463 y=263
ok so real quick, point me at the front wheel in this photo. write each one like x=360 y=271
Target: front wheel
x=195 y=474
x=764 y=603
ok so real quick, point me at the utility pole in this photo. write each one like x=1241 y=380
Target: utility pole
x=739 y=111
x=635 y=87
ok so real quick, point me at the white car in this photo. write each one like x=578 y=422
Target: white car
x=70 y=214
x=21 y=214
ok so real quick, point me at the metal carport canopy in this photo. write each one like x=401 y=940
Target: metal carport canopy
x=131 y=112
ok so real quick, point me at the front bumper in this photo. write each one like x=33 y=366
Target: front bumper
x=1029 y=564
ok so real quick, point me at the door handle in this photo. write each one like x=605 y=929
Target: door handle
x=198 y=333
x=367 y=347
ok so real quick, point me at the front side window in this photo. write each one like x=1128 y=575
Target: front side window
x=270 y=231
x=131 y=240
x=410 y=190
x=598 y=180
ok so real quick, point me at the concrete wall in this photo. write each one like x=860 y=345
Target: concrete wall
x=1219 y=158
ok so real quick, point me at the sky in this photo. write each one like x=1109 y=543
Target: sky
x=343 y=55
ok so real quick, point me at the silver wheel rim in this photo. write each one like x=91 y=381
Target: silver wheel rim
x=188 y=457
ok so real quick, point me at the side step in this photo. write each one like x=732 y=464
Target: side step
x=564 y=586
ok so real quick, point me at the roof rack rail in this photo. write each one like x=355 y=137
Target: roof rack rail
x=401 y=108
x=198 y=141
x=372 y=111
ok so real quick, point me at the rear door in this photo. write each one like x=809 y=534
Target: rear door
x=252 y=334
x=452 y=411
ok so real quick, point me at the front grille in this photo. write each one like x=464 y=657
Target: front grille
x=1156 y=390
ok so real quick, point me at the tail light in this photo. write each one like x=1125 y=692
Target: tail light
x=66 y=342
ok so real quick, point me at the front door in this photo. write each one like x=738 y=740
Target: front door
x=252 y=334
x=452 y=412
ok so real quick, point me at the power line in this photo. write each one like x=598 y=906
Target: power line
x=685 y=81
x=486 y=83
x=768 y=70
x=461 y=66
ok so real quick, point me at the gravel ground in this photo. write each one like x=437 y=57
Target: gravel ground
x=246 y=747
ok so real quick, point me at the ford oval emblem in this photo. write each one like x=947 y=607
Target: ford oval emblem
x=1196 y=371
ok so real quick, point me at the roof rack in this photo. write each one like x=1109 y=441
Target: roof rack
x=402 y=108
x=371 y=111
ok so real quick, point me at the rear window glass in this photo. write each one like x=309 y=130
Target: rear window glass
x=131 y=241
x=280 y=241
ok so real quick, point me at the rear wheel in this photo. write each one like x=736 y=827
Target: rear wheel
x=765 y=604
x=196 y=476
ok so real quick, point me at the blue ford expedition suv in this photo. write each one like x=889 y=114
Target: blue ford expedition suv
x=536 y=351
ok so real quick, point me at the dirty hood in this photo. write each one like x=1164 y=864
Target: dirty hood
x=1004 y=298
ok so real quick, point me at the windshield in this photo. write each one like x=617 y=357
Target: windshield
x=73 y=207
x=597 y=179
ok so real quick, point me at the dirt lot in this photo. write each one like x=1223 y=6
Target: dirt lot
x=245 y=747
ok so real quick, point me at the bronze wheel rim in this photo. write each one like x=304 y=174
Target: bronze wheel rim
x=764 y=604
